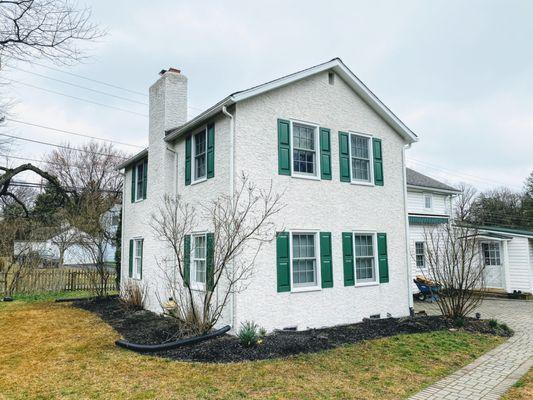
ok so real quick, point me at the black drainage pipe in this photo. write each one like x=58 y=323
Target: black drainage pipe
x=148 y=348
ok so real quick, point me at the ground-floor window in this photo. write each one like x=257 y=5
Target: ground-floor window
x=199 y=259
x=304 y=260
x=491 y=253
x=420 y=254
x=138 y=258
x=365 y=257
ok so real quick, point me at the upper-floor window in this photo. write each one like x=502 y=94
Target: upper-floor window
x=139 y=177
x=420 y=254
x=304 y=149
x=428 y=201
x=360 y=152
x=365 y=257
x=199 y=155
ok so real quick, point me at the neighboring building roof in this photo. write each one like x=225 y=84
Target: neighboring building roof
x=336 y=65
x=417 y=180
x=511 y=231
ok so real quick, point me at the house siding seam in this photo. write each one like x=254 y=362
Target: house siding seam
x=328 y=206
x=519 y=264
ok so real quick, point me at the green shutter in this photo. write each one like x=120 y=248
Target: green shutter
x=130 y=270
x=325 y=154
x=283 y=260
x=210 y=150
x=210 y=261
x=378 y=162
x=133 y=173
x=326 y=268
x=347 y=258
x=142 y=259
x=284 y=147
x=344 y=156
x=186 y=259
x=145 y=177
x=188 y=144
x=382 y=258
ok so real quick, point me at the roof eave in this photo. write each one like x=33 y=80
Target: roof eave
x=432 y=189
x=140 y=155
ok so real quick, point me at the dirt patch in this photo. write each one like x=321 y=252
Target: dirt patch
x=145 y=327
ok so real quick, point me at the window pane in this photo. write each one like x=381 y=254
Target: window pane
x=360 y=158
x=304 y=260
x=364 y=258
x=139 y=181
x=304 y=137
x=364 y=267
x=199 y=268
x=199 y=247
x=138 y=248
x=199 y=155
x=360 y=147
x=304 y=153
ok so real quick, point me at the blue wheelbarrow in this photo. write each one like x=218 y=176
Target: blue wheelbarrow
x=427 y=292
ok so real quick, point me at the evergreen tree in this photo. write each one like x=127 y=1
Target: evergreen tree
x=47 y=206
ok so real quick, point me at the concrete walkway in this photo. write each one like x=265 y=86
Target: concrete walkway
x=491 y=375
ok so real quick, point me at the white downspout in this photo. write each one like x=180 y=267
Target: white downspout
x=231 y=193
x=407 y=236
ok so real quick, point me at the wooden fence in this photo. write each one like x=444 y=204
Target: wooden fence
x=58 y=280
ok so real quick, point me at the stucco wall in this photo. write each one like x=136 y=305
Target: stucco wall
x=330 y=206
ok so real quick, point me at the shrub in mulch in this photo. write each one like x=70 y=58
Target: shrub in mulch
x=145 y=327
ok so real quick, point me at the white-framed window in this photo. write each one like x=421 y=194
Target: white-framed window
x=199 y=156
x=140 y=177
x=198 y=257
x=304 y=260
x=491 y=253
x=365 y=256
x=420 y=254
x=428 y=201
x=361 y=158
x=304 y=143
x=137 y=258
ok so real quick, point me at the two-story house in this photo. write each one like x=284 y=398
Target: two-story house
x=338 y=155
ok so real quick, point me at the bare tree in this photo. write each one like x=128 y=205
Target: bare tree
x=241 y=224
x=463 y=202
x=51 y=29
x=454 y=263
x=65 y=239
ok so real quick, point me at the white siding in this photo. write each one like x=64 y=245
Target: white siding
x=519 y=264
x=416 y=234
x=416 y=205
x=330 y=206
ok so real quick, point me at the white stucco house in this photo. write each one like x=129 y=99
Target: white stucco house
x=506 y=253
x=338 y=154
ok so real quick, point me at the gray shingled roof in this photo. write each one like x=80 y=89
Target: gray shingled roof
x=415 y=178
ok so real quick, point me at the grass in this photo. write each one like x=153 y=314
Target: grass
x=52 y=350
x=522 y=389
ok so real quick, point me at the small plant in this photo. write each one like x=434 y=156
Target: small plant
x=133 y=295
x=250 y=334
x=493 y=323
x=504 y=327
x=459 y=322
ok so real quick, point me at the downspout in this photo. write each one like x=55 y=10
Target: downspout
x=231 y=194
x=407 y=236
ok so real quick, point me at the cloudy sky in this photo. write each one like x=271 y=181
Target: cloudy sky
x=458 y=73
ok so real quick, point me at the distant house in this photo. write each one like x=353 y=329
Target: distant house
x=67 y=246
x=506 y=253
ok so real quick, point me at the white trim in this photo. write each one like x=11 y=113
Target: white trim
x=316 y=175
x=194 y=179
x=195 y=285
x=135 y=166
x=337 y=66
x=370 y=159
x=376 y=259
x=318 y=266
x=414 y=188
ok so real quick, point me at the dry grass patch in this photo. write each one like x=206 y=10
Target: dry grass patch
x=521 y=390
x=55 y=351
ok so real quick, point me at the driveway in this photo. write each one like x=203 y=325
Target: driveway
x=491 y=375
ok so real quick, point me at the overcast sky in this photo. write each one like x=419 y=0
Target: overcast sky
x=458 y=73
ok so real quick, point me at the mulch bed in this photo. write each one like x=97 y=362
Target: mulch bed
x=145 y=327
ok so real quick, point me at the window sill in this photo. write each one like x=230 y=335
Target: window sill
x=138 y=201
x=198 y=181
x=362 y=183
x=197 y=287
x=308 y=177
x=366 y=284
x=306 y=289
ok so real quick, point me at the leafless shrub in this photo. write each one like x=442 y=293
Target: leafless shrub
x=133 y=295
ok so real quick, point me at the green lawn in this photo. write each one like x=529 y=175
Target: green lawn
x=52 y=350
x=523 y=389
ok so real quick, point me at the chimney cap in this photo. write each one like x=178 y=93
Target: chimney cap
x=170 y=69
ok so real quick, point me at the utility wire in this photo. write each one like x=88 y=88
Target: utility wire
x=61 y=146
x=81 y=87
x=43 y=185
x=78 y=98
x=72 y=133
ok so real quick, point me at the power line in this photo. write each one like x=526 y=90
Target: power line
x=72 y=133
x=43 y=185
x=81 y=86
x=91 y=79
x=78 y=98
x=62 y=146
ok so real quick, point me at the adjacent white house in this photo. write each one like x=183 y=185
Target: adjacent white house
x=506 y=253
x=338 y=154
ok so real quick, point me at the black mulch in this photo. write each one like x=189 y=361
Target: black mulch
x=145 y=327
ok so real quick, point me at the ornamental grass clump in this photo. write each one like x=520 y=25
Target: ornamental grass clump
x=250 y=334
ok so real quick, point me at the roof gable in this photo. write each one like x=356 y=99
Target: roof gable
x=416 y=179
